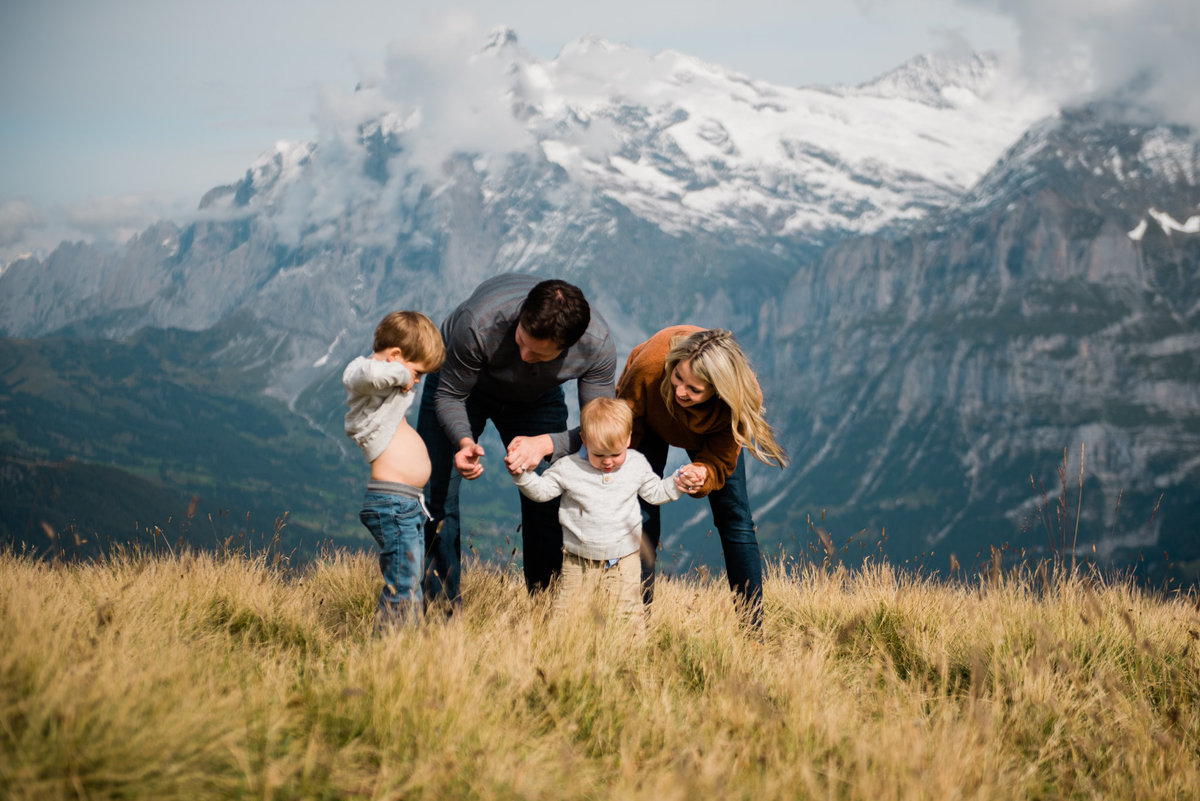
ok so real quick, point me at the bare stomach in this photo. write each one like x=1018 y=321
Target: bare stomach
x=404 y=461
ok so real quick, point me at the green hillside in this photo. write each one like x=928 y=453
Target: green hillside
x=104 y=441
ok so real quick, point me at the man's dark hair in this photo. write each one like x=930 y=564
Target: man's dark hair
x=556 y=310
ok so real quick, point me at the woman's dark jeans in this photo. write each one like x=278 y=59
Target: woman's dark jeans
x=734 y=523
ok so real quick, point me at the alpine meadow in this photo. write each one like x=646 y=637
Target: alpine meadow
x=193 y=675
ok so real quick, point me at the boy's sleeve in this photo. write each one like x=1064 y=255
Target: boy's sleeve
x=365 y=375
x=545 y=487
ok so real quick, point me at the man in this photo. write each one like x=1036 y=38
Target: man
x=509 y=348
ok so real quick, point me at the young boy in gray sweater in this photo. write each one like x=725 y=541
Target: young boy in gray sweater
x=599 y=511
x=379 y=391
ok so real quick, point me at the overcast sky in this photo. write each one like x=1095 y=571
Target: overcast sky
x=114 y=113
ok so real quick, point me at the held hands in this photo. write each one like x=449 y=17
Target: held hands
x=691 y=477
x=468 y=459
x=526 y=453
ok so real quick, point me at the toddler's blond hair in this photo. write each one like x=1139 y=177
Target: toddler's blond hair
x=605 y=424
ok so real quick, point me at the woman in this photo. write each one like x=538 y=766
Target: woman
x=694 y=389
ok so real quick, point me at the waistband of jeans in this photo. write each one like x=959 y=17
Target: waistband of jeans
x=587 y=562
x=394 y=488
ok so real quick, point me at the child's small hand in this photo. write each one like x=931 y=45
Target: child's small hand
x=691 y=477
x=526 y=453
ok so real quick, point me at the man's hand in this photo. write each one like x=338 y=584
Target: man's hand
x=526 y=453
x=468 y=459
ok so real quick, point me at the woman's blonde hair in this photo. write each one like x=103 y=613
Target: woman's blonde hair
x=606 y=424
x=717 y=360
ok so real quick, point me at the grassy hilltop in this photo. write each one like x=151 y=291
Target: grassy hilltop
x=190 y=675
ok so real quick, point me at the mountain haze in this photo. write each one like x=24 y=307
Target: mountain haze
x=943 y=281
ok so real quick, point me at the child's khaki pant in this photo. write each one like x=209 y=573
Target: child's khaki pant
x=620 y=583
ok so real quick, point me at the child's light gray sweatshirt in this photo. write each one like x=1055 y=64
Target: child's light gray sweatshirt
x=377 y=401
x=599 y=511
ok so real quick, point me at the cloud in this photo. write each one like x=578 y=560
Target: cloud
x=465 y=102
x=17 y=220
x=1144 y=50
x=448 y=92
x=114 y=219
x=443 y=89
x=29 y=229
x=953 y=42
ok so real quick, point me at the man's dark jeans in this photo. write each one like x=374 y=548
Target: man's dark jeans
x=541 y=533
x=734 y=523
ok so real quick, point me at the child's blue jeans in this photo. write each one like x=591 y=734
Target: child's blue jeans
x=395 y=515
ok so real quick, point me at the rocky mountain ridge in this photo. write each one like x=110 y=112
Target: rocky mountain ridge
x=606 y=139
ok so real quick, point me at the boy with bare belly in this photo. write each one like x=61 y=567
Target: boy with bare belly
x=379 y=391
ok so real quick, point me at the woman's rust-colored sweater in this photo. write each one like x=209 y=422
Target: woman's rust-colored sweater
x=705 y=428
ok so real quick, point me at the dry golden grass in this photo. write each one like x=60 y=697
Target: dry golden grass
x=194 y=676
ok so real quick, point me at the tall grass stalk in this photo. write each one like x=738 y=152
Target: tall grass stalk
x=193 y=676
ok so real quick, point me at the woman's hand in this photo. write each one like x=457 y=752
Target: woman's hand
x=692 y=477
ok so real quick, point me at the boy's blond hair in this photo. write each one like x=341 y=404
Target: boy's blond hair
x=605 y=424
x=415 y=335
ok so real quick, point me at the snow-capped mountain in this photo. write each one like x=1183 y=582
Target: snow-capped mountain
x=934 y=271
x=539 y=158
x=682 y=144
x=504 y=162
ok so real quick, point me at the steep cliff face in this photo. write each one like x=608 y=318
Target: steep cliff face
x=930 y=376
